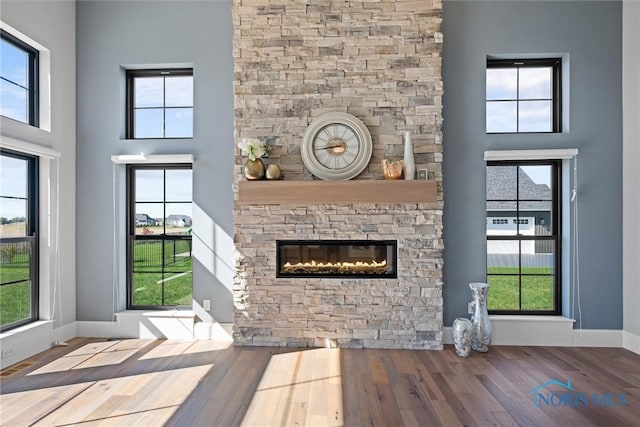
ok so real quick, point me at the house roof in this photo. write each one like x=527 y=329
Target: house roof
x=502 y=184
x=178 y=217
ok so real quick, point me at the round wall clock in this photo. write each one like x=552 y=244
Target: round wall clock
x=336 y=146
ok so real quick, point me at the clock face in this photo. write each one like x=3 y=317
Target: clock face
x=336 y=146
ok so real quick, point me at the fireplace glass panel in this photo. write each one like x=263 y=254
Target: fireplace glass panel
x=337 y=258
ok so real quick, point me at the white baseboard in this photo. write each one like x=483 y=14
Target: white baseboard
x=96 y=329
x=552 y=332
x=631 y=341
x=25 y=341
x=597 y=338
x=65 y=332
x=532 y=330
x=213 y=331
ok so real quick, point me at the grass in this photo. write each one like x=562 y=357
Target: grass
x=535 y=292
x=14 y=298
x=150 y=285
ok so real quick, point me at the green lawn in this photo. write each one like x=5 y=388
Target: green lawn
x=504 y=292
x=149 y=283
x=14 y=298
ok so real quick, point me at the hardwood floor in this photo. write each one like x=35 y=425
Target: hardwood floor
x=158 y=382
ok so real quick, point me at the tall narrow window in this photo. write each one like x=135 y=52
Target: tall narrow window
x=18 y=239
x=18 y=80
x=523 y=237
x=160 y=104
x=523 y=96
x=159 y=237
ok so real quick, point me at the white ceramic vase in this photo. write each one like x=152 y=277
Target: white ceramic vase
x=462 y=336
x=409 y=162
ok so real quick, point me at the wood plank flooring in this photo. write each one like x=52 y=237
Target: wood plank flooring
x=206 y=383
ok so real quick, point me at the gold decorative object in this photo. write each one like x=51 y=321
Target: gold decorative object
x=273 y=172
x=392 y=170
x=254 y=169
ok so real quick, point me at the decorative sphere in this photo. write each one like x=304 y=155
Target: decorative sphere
x=273 y=172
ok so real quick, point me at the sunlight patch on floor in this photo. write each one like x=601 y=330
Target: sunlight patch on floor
x=95 y=355
x=144 y=399
x=299 y=388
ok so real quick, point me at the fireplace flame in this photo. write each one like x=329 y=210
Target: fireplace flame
x=362 y=267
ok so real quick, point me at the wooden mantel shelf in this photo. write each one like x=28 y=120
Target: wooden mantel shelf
x=325 y=192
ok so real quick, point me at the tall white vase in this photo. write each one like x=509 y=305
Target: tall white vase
x=409 y=162
x=480 y=323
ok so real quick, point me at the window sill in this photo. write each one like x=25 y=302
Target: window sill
x=529 y=318
x=173 y=314
x=186 y=139
x=25 y=328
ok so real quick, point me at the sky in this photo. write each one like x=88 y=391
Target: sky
x=13 y=97
x=150 y=188
x=151 y=94
x=538 y=174
x=13 y=183
x=533 y=85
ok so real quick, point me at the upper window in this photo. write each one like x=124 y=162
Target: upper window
x=523 y=96
x=18 y=239
x=18 y=80
x=160 y=104
x=159 y=266
x=523 y=237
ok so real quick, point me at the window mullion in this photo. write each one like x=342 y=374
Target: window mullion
x=164 y=107
x=517 y=99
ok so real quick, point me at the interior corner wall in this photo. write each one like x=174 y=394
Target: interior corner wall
x=631 y=167
x=52 y=25
x=590 y=33
x=113 y=34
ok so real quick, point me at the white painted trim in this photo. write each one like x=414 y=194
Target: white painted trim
x=130 y=159
x=96 y=329
x=565 y=153
x=65 y=332
x=25 y=341
x=531 y=330
x=597 y=338
x=28 y=147
x=631 y=341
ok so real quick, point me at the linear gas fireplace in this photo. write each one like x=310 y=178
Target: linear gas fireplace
x=337 y=258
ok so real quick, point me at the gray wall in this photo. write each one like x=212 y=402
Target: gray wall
x=590 y=33
x=111 y=34
x=631 y=89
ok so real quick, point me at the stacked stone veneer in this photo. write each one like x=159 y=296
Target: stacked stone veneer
x=381 y=62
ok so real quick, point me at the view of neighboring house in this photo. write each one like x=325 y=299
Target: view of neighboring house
x=534 y=208
x=144 y=219
x=529 y=216
x=178 y=221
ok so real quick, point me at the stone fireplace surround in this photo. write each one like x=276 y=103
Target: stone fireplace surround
x=379 y=61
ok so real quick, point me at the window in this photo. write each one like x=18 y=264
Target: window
x=159 y=272
x=160 y=104
x=523 y=96
x=523 y=242
x=18 y=80
x=18 y=239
